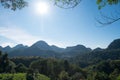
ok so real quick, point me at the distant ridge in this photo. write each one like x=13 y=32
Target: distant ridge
x=43 y=49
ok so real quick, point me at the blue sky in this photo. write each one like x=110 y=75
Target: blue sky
x=61 y=27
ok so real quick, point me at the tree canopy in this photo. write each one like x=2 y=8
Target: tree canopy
x=103 y=3
x=13 y=4
x=105 y=19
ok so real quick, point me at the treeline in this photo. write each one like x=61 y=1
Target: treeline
x=94 y=57
x=105 y=70
x=53 y=68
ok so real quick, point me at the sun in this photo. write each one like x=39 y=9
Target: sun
x=41 y=8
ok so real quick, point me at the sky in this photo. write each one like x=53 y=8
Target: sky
x=60 y=27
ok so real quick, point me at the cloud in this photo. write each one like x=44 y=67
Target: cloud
x=7 y=43
x=18 y=35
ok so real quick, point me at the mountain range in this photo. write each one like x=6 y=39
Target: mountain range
x=43 y=49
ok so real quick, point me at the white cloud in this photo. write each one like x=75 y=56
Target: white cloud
x=7 y=43
x=18 y=35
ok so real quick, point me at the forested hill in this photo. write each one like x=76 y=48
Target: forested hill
x=112 y=52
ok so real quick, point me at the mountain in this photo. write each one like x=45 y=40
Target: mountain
x=41 y=48
x=112 y=52
x=33 y=51
x=6 y=49
x=57 y=49
x=75 y=50
x=115 y=44
x=79 y=48
x=19 y=46
x=41 y=45
x=1 y=48
x=98 y=49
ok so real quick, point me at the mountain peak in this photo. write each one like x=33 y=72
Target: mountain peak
x=42 y=45
x=7 y=47
x=98 y=49
x=80 y=48
x=114 y=44
x=19 y=46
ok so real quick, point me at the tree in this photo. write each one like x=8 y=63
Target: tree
x=66 y=4
x=30 y=74
x=103 y=3
x=4 y=63
x=100 y=76
x=66 y=65
x=77 y=76
x=6 y=66
x=64 y=76
x=114 y=74
x=106 y=20
x=21 y=68
x=13 y=4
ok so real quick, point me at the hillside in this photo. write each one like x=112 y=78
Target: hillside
x=112 y=52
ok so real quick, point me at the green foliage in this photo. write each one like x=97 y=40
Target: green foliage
x=66 y=3
x=30 y=75
x=49 y=67
x=92 y=58
x=114 y=74
x=5 y=64
x=12 y=76
x=118 y=78
x=20 y=76
x=64 y=76
x=103 y=3
x=25 y=60
x=21 y=68
x=100 y=76
x=13 y=4
x=77 y=76
x=106 y=70
x=53 y=68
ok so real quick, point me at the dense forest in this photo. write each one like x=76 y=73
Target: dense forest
x=98 y=64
